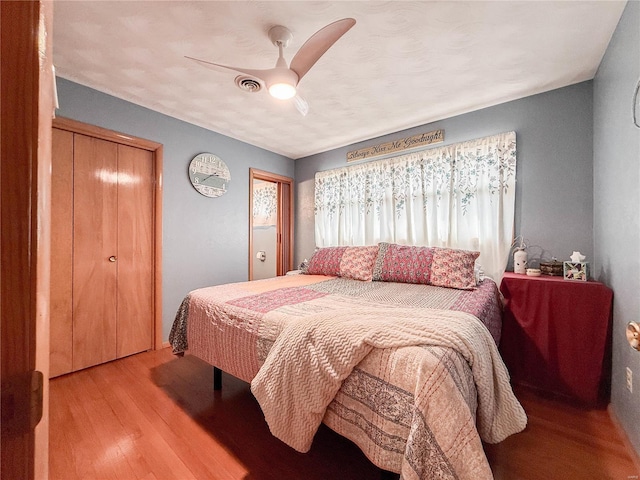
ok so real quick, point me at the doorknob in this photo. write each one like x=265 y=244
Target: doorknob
x=112 y=258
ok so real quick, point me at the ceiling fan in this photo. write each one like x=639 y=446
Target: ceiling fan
x=282 y=80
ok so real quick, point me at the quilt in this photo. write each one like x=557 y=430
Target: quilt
x=411 y=373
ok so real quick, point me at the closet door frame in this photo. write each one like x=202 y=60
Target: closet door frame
x=157 y=150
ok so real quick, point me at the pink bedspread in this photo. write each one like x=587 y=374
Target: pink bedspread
x=423 y=429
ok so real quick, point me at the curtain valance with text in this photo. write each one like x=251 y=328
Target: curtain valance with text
x=458 y=196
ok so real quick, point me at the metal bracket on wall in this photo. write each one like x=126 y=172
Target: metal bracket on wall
x=636 y=106
x=633 y=335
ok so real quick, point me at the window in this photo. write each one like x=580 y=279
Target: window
x=458 y=196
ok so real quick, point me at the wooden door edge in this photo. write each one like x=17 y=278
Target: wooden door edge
x=157 y=267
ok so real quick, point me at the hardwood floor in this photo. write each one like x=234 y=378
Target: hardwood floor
x=152 y=416
x=562 y=442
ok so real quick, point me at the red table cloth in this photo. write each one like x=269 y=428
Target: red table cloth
x=556 y=335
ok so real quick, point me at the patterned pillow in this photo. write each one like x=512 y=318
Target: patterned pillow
x=454 y=268
x=357 y=263
x=403 y=263
x=326 y=261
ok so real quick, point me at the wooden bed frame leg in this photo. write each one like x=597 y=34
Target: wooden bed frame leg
x=217 y=378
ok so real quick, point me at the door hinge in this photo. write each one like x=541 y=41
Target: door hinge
x=22 y=403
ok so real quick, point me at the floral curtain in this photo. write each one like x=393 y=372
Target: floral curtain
x=458 y=196
x=265 y=203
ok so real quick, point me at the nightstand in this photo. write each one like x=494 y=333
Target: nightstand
x=556 y=335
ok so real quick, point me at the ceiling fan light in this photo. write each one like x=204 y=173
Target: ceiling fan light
x=282 y=91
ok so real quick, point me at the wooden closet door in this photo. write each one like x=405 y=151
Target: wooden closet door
x=135 y=250
x=95 y=254
x=61 y=324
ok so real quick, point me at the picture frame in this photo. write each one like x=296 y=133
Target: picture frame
x=576 y=271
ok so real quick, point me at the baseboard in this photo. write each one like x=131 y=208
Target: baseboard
x=166 y=344
x=625 y=438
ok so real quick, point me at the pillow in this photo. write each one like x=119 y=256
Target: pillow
x=403 y=263
x=326 y=261
x=357 y=263
x=454 y=268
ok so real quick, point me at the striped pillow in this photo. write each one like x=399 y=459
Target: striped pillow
x=403 y=264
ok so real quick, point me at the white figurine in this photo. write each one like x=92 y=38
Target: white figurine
x=577 y=257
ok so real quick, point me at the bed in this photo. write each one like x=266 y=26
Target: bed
x=408 y=371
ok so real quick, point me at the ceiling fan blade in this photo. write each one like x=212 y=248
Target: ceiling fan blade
x=318 y=44
x=263 y=75
x=301 y=105
x=267 y=76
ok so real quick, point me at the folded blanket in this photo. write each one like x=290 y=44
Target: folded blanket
x=309 y=360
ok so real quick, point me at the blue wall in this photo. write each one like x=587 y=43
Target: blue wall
x=205 y=240
x=554 y=189
x=617 y=207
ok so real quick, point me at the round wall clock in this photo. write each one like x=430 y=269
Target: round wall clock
x=209 y=175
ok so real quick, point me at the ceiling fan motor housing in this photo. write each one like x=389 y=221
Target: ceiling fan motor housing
x=280 y=35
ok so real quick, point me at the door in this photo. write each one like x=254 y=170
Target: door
x=95 y=250
x=112 y=251
x=105 y=288
x=270 y=224
x=61 y=345
x=24 y=238
x=135 y=251
x=265 y=229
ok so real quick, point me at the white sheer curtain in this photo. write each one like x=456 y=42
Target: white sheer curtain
x=458 y=196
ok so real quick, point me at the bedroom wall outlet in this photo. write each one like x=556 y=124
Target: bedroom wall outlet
x=629 y=380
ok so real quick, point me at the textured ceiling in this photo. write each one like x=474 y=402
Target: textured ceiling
x=403 y=64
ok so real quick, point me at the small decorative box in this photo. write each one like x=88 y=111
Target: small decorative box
x=576 y=271
x=553 y=267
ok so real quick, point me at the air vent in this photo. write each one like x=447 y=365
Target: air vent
x=248 y=84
